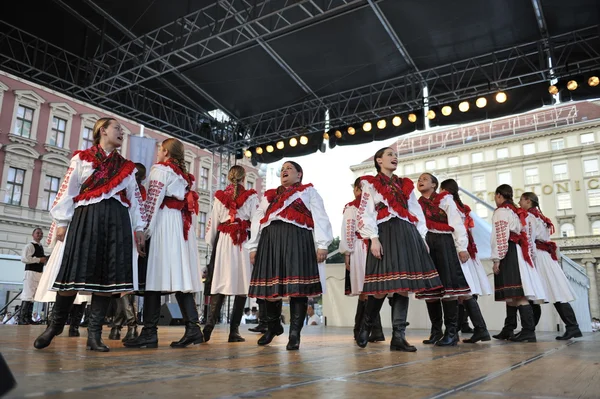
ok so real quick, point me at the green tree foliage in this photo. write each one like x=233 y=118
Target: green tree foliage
x=337 y=258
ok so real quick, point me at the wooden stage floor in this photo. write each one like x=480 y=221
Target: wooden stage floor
x=328 y=365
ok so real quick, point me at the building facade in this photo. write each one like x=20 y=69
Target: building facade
x=40 y=129
x=553 y=152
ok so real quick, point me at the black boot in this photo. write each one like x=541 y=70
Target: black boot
x=216 y=302
x=463 y=320
x=273 y=319
x=58 y=318
x=377 y=331
x=298 y=307
x=372 y=309
x=262 y=323
x=360 y=311
x=148 y=338
x=481 y=333
x=76 y=315
x=236 y=318
x=24 y=313
x=399 y=315
x=567 y=315
x=451 y=322
x=537 y=312
x=193 y=333
x=434 y=309
x=510 y=324
x=115 y=334
x=98 y=313
x=132 y=333
x=86 y=316
x=527 y=333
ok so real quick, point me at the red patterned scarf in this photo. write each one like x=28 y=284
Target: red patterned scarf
x=538 y=214
x=233 y=204
x=435 y=216
x=187 y=206
x=396 y=191
x=296 y=211
x=469 y=224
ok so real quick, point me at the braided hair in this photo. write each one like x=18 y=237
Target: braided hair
x=236 y=175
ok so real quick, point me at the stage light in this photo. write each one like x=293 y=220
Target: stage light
x=553 y=89
x=464 y=106
x=593 y=81
x=431 y=114
x=326 y=136
x=396 y=121
x=572 y=85
x=304 y=140
x=367 y=126
x=446 y=110
x=280 y=145
x=481 y=102
x=338 y=134
x=501 y=97
x=248 y=153
x=412 y=118
x=351 y=131
x=270 y=148
x=381 y=124
x=294 y=141
x=259 y=150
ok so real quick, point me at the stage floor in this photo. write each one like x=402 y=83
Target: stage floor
x=328 y=365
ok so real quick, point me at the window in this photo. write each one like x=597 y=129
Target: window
x=481 y=210
x=87 y=141
x=587 y=138
x=59 y=129
x=563 y=201
x=202 y=223
x=453 y=161
x=529 y=149
x=479 y=183
x=532 y=176
x=51 y=185
x=477 y=157
x=430 y=165
x=502 y=153
x=204 y=178
x=14 y=186
x=560 y=171
x=24 y=121
x=590 y=167
x=409 y=169
x=567 y=230
x=557 y=144
x=188 y=165
x=594 y=197
x=223 y=180
x=249 y=185
x=504 y=178
x=596 y=228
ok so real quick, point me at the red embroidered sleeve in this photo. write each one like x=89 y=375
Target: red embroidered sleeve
x=502 y=236
x=154 y=190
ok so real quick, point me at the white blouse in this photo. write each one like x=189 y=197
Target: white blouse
x=220 y=214
x=503 y=222
x=456 y=221
x=348 y=236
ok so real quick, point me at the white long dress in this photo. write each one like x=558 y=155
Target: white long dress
x=351 y=243
x=555 y=282
x=172 y=260
x=232 y=268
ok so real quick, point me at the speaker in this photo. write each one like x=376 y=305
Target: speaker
x=170 y=315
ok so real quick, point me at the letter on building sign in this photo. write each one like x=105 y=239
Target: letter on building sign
x=519 y=192
x=577 y=186
x=547 y=189
x=593 y=184
x=562 y=187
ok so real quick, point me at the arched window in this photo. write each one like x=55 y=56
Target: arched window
x=567 y=230
x=596 y=228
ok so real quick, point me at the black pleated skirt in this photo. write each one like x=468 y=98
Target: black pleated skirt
x=98 y=250
x=347 y=283
x=143 y=270
x=443 y=253
x=286 y=263
x=210 y=269
x=405 y=266
x=507 y=283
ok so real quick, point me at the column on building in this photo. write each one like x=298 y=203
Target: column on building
x=590 y=268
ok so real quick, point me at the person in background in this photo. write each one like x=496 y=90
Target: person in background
x=313 y=319
x=34 y=258
x=9 y=319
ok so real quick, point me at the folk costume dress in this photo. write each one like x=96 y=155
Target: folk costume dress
x=352 y=243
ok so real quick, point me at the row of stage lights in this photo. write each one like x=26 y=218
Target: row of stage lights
x=280 y=145
x=593 y=81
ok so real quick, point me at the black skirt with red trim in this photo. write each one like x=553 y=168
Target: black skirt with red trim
x=286 y=263
x=443 y=253
x=405 y=266
x=507 y=283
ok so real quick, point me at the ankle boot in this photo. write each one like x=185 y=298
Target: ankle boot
x=434 y=309
x=132 y=333
x=537 y=312
x=115 y=334
x=527 y=333
x=148 y=338
x=262 y=324
x=377 y=331
x=451 y=322
x=372 y=309
x=98 y=313
x=510 y=324
x=481 y=333
x=76 y=315
x=24 y=312
x=399 y=315
x=58 y=318
x=273 y=319
x=193 y=333
x=298 y=307
x=236 y=318
x=567 y=315
x=216 y=302
x=360 y=311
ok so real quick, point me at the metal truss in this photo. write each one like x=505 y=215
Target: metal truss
x=510 y=68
